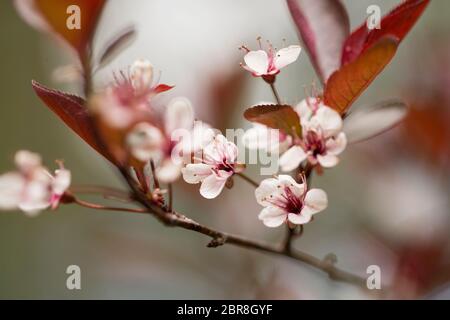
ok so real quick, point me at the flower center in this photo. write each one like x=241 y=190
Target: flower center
x=292 y=203
x=288 y=201
x=228 y=167
x=315 y=143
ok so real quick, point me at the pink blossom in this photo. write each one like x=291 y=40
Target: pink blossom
x=268 y=63
x=287 y=201
x=127 y=101
x=218 y=164
x=166 y=143
x=32 y=188
x=322 y=140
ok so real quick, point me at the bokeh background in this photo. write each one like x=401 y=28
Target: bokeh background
x=388 y=197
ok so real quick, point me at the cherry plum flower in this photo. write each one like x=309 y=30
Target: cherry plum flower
x=322 y=137
x=268 y=63
x=32 y=188
x=286 y=201
x=127 y=101
x=142 y=79
x=217 y=165
x=166 y=143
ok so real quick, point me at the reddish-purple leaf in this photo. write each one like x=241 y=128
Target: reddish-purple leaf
x=397 y=23
x=323 y=26
x=281 y=117
x=52 y=16
x=347 y=84
x=117 y=45
x=71 y=110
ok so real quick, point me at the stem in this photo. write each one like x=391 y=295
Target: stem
x=106 y=192
x=170 y=187
x=275 y=92
x=101 y=207
x=291 y=234
x=248 y=179
x=155 y=179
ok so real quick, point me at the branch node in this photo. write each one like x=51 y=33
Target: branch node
x=217 y=242
x=330 y=259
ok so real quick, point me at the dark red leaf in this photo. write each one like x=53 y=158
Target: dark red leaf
x=52 y=15
x=347 y=84
x=323 y=26
x=71 y=110
x=396 y=23
x=281 y=117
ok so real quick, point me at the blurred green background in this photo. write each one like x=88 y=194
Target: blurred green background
x=126 y=256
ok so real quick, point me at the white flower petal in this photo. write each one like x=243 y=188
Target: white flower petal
x=304 y=110
x=168 y=171
x=272 y=188
x=292 y=158
x=11 y=188
x=328 y=160
x=179 y=115
x=145 y=142
x=257 y=61
x=316 y=200
x=272 y=217
x=266 y=189
x=36 y=197
x=302 y=218
x=328 y=120
x=61 y=182
x=286 y=56
x=220 y=148
x=212 y=186
x=27 y=161
x=141 y=74
x=336 y=145
x=196 y=172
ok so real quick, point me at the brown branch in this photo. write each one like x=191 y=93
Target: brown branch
x=218 y=238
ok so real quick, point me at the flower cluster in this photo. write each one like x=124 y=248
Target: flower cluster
x=32 y=188
x=321 y=141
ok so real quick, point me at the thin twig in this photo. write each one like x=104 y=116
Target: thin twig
x=107 y=208
x=275 y=92
x=170 y=206
x=106 y=192
x=248 y=179
x=155 y=179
